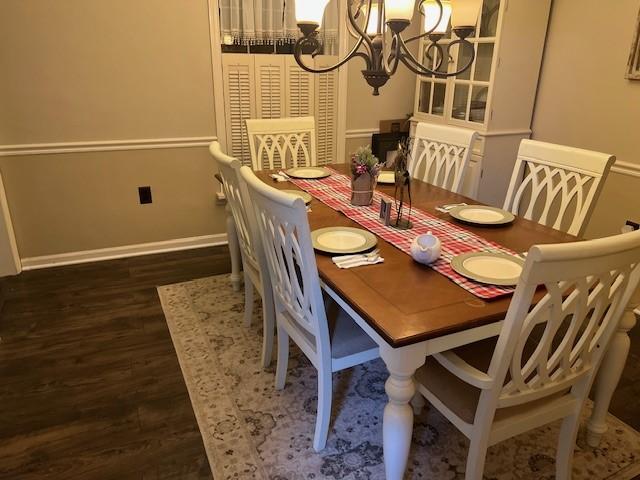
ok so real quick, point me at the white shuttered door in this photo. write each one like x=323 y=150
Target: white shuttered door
x=274 y=86
x=239 y=88
x=269 y=71
x=326 y=111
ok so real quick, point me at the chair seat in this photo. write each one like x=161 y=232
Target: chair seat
x=461 y=397
x=347 y=338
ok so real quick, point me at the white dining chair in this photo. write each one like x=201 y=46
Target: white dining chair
x=440 y=155
x=256 y=273
x=282 y=142
x=329 y=338
x=498 y=388
x=557 y=186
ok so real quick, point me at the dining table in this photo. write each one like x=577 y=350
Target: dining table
x=412 y=311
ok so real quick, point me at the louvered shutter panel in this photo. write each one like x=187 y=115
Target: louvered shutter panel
x=238 y=72
x=326 y=111
x=300 y=89
x=270 y=76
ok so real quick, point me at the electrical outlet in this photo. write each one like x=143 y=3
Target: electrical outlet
x=145 y=195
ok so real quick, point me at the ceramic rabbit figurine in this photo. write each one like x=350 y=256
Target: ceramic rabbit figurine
x=426 y=248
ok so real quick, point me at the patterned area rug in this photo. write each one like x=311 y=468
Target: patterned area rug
x=250 y=430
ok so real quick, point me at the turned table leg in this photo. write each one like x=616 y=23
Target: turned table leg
x=608 y=378
x=397 y=426
x=234 y=251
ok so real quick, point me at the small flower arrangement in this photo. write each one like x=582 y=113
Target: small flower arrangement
x=364 y=175
x=364 y=161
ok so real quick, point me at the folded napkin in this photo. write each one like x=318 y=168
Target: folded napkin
x=278 y=178
x=451 y=206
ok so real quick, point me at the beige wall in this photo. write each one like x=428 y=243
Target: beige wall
x=89 y=70
x=585 y=101
x=96 y=71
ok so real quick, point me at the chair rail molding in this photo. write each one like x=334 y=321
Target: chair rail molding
x=104 y=146
x=86 y=256
x=626 y=168
x=361 y=133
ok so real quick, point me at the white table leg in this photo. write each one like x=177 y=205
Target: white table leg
x=608 y=378
x=397 y=426
x=234 y=251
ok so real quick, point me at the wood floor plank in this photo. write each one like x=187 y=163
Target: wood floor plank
x=89 y=374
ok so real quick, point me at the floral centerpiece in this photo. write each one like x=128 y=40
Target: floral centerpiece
x=364 y=174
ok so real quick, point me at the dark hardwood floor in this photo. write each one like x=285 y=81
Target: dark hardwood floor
x=90 y=386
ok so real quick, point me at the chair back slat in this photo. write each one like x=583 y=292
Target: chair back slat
x=284 y=228
x=557 y=185
x=587 y=286
x=239 y=205
x=282 y=142
x=440 y=155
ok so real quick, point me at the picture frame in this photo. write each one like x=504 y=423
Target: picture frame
x=633 y=66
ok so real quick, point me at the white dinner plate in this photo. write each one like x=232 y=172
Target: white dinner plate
x=299 y=193
x=491 y=268
x=387 y=177
x=482 y=215
x=343 y=240
x=308 y=173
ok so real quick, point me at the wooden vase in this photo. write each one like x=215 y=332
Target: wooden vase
x=362 y=187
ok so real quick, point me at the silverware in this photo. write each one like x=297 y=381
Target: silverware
x=357 y=256
x=369 y=258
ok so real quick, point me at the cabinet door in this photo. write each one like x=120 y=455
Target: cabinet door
x=239 y=90
x=463 y=99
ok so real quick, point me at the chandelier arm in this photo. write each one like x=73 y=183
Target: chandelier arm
x=394 y=56
x=464 y=43
x=354 y=23
x=415 y=66
x=297 y=54
x=311 y=39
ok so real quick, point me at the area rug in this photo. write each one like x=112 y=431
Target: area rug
x=250 y=430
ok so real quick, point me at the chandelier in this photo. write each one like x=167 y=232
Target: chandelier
x=379 y=40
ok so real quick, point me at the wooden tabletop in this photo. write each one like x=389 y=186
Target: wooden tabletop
x=406 y=302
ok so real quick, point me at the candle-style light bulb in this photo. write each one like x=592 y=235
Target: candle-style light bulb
x=372 y=26
x=310 y=11
x=432 y=15
x=399 y=10
x=465 y=13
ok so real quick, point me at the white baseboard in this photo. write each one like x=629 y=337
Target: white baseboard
x=86 y=256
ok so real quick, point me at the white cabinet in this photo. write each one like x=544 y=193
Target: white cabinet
x=274 y=86
x=496 y=95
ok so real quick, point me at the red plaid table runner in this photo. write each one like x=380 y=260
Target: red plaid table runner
x=335 y=192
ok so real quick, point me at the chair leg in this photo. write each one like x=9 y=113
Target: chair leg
x=283 y=358
x=418 y=402
x=324 y=409
x=268 y=328
x=248 y=299
x=566 y=446
x=477 y=457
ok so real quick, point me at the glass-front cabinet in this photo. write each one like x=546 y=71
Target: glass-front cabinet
x=462 y=98
x=495 y=96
